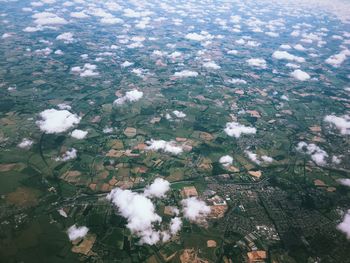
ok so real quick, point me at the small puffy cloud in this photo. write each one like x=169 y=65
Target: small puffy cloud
x=299 y=47
x=338 y=59
x=6 y=35
x=285 y=46
x=287 y=56
x=68 y=155
x=111 y=20
x=47 y=18
x=179 y=114
x=211 y=65
x=79 y=14
x=75 y=232
x=257 y=62
x=88 y=70
x=158 y=188
x=258 y=159
x=161 y=145
x=344 y=226
x=79 y=134
x=175 y=225
x=139 y=212
x=272 y=34
x=185 y=74
x=226 y=160
x=56 y=121
x=130 y=96
x=194 y=209
x=66 y=37
x=317 y=154
x=237 y=81
x=234 y=129
x=300 y=75
x=126 y=64
x=199 y=37
x=344 y=181
x=25 y=143
x=342 y=123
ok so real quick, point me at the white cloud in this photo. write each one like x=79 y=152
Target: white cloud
x=47 y=18
x=126 y=64
x=299 y=47
x=130 y=96
x=235 y=129
x=158 y=188
x=287 y=56
x=237 y=81
x=161 y=145
x=6 y=35
x=285 y=46
x=139 y=212
x=337 y=59
x=226 y=160
x=186 y=74
x=232 y=52
x=211 y=65
x=75 y=232
x=66 y=37
x=88 y=70
x=258 y=159
x=111 y=20
x=68 y=155
x=272 y=34
x=79 y=134
x=25 y=143
x=56 y=121
x=344 y=181
x=179 y=114
x=257 y=62
x=199 y=37
x=342 y=123
x=317 y=154
x=300 y=75
x=79 y=14
x=345 y=225
x=194 y=209
x=175 y=225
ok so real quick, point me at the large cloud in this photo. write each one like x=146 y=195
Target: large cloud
x=194 y=209
x=139 y=212
x=75 y=232
x=235 y=129
x=56 y=121
x=342 y=123
x=158 y=188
